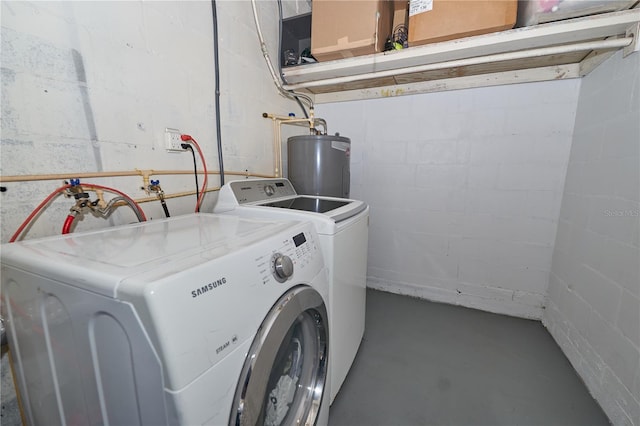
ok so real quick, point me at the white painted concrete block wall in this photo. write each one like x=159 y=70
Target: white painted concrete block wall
x=90 y=86
x=464 y=189
x=593 y=310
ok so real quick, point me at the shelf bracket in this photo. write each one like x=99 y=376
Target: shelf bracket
x=633 y=31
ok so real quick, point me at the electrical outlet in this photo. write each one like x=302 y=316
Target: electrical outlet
x=172 y=140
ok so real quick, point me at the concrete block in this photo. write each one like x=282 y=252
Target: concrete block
x=482 y=176
x=574 y=208
x=587 y=246
x=456 y=204
x=529 y=298
x=627 y=179
x=618 y=403
x=600 y=178
x=485 y=122
x=389 y=174
x=501 y=98
x=617 y=352
x=628 y=321
x=496 y=202
x=432 y=152
x=441 y=176
x=474 y=271
x=590 y=358
x=563 y=239
x=486 y=149
x=427 y=199
x=621 y=265
x=534 y=230
x=613 y=218
x=587 y=144
x=519 y=278
x=530 y=177
x=623 y=134
x=386 y=153
x=440 y=103
x=541 y=94
x=543 y=204
x=602 y=294
x=557 y=119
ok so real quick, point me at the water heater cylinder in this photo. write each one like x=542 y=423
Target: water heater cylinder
x=319 y=164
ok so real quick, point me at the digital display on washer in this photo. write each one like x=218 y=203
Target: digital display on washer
x=316 y=205
x=299 y=239
x=279 y=184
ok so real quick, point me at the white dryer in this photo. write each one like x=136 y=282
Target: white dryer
x=197 y=319
x=343 y=227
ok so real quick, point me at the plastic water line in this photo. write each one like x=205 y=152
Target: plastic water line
x=498 y=57
x=190 y=140
x=70 y=218
x=216 y=64
x=276 y=80
x=66 y=228
x=37 y=210
x=278 y=121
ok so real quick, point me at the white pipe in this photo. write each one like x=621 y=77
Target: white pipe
x=498 y=57
x=272 y=71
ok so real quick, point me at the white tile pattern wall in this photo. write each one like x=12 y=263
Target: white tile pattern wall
x=593 y=310
x=464 y=189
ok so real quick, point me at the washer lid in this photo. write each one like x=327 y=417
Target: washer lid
x=309 y=204
x=99 y=260
x=279 y=192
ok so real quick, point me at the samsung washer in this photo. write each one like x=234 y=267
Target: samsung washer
x=198 y=319
x=343 y=229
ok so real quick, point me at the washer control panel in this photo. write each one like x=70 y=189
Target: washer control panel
x=253 y=191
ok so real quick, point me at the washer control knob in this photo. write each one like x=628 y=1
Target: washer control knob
x=269 y=190
x=282 y=267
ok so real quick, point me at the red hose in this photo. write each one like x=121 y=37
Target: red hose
x=36 y=211
x=66 y=228
x=58 y=191
x=187 y=138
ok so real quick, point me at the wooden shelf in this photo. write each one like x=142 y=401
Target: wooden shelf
x=552 y=51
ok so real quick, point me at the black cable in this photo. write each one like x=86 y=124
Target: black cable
x=164 y=207
x=304 y=110
x=302 y=106
x=217 y=97
x=195 y=168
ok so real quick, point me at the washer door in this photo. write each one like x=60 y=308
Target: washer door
x=283 y=377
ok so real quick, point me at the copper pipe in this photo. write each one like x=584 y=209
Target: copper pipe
x=62 y=176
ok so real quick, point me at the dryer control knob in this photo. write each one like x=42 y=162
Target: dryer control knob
x=282 y=267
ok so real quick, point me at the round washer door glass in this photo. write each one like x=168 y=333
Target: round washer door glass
x=283 y=377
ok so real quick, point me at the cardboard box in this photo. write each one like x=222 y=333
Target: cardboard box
x=400 y=13
x=451 y=19
x=346 y=28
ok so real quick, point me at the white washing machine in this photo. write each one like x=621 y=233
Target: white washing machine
x=343 y=228
x=197 y=319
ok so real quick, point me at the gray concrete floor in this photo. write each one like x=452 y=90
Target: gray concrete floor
x=424 y=363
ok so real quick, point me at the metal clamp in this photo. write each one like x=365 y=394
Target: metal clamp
x=634 y=46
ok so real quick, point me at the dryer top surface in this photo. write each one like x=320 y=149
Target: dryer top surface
x=112 y=254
